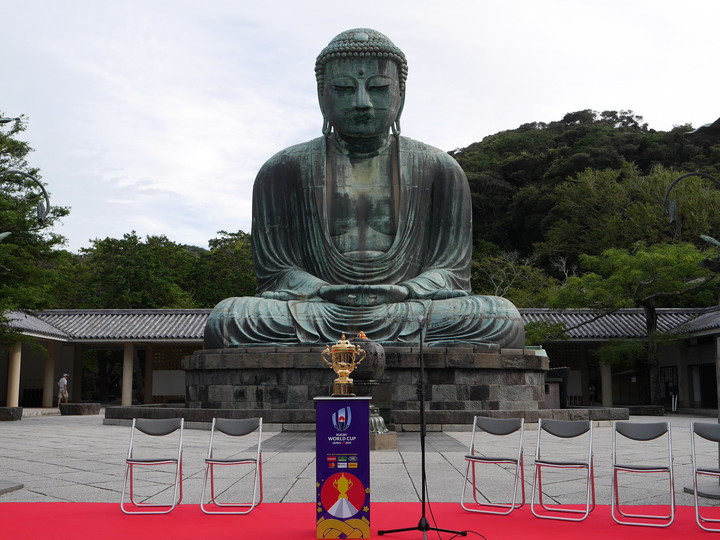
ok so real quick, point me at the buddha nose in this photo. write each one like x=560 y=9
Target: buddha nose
x=362 y=99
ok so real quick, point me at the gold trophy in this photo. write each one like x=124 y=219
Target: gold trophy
x=343 y=358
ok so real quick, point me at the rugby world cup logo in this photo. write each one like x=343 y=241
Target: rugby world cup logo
x=341 y=418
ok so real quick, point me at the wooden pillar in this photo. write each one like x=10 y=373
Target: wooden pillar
x=77 y=374
x=49 y=375
x=606 y=378
x=127 y=374
x=149 y=366
x=683 y=389
x=13 y=382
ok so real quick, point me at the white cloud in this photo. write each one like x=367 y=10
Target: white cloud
x=155 y=115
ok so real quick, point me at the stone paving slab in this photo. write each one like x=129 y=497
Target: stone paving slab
x=7 y=487
x=79 y=459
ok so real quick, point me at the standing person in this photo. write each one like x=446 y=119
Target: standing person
x=62 y=388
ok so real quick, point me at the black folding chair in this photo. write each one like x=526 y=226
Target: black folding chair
x=495 y=428
x=711 y=433
x=225 y=428
x=641 y=433
x=143 y=452
x=562 y=431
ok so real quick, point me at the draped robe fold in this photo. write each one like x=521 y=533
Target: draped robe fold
x=295 y=256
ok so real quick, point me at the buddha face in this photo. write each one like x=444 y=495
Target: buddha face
x=361 y=96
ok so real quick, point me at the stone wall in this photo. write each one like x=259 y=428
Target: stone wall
x=287 y=379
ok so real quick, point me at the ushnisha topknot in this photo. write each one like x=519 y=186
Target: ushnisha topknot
x=357 y=43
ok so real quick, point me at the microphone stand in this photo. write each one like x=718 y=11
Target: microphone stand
x=423 y=525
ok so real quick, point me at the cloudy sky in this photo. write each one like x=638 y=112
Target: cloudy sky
x=155 y=115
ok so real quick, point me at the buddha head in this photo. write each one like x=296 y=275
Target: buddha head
x=361 y=78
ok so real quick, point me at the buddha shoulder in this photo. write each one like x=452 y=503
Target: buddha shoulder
x=298 y=153
x=430 y=154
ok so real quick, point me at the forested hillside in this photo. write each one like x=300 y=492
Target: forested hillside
x=566 y=213
x=550 y=200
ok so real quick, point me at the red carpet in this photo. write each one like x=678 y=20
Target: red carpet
x=102 y=521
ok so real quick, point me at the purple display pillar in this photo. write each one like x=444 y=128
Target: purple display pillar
x=343 y=467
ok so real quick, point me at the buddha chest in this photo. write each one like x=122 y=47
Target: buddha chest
x=362 y=205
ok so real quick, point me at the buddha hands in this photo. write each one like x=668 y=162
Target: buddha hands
x=363 y=295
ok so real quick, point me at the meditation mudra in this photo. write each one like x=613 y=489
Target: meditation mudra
x=362 y=229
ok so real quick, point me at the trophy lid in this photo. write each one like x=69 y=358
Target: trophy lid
x=343 y=345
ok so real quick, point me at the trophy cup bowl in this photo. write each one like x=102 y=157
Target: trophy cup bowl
x=343 y=357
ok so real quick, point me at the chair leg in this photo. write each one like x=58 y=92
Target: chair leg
x=617 y=509
x=589 y=496
x=483 y=506
x=130 y=482
x=521 y=466
x=179 y=480
x=202 y=493
x=257 y=484
x=259 y=472
x=261 y=480
x=699 y=519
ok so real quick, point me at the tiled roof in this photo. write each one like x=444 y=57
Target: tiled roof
x=706 y=322
x=625 y=323
x=128 y=324
x=33 y=326
x=188 y=324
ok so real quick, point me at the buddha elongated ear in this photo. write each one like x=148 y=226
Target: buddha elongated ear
x=396 y=124
x=326 y=127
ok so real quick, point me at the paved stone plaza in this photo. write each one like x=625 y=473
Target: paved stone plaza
x=78 y=459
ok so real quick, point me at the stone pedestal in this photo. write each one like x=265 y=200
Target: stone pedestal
x=383 y=441
x=10 y=414
x=288 y=379
x=73 y=409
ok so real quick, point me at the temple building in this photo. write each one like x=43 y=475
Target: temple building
x=125 y=357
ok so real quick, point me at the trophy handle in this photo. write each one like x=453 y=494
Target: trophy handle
x=325 y=353
x=361 y=354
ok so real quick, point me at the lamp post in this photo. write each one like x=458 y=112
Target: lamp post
x=43 y=208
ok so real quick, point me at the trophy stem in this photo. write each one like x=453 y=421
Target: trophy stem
x=343 y=388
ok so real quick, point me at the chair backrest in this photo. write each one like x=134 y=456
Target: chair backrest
x=157 y=427
x=710 y=432
x=237 y=427
x=154 y=427
x=641 y=431
x=234 y=427
x=499 y=426
x=566 y=429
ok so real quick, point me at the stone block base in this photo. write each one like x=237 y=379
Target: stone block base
x=461 y=420
x=289 y=378
x=79 y=408
x=269 y=416
x=10 y=414
x=304 y=420
x=647 y=410
x=383 y=441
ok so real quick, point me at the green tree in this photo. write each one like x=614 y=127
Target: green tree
x=647 y=277
x=513 y=174
x=513 y=277
x=598 y=210
x=27 y=248
x=227 y=270
x=128 y=273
